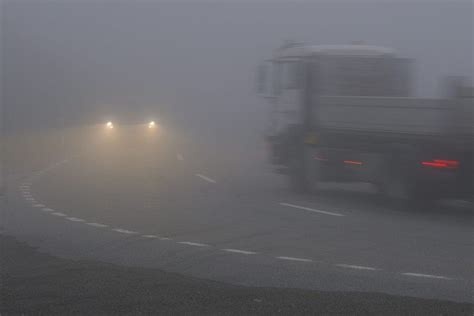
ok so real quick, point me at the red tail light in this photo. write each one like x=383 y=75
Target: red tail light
x=353 y=162
x=441 y=163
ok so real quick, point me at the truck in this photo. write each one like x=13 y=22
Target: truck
x=347 y=113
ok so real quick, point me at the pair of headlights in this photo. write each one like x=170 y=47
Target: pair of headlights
x=110 y=125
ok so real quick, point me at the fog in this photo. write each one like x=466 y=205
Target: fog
x=236 y=157
x=82 y=62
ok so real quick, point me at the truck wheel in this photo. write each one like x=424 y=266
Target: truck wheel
x=395 y=187
x=296 y=175
x=313 y=170
x=304 y=172
x=399 y=188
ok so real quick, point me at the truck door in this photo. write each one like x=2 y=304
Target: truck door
x=287 y=85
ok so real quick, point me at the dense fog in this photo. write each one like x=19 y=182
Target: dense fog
x=83 y=62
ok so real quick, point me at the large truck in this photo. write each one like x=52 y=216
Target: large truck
x=346 y=113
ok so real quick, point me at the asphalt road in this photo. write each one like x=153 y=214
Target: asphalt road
x=215 y=210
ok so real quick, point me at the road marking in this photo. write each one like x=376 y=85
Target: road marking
x=75 y=219
x=29 y=199
x=179 y=157
x=350 y=266
x=205 y=178
x=97 y=225
x=193 y=244
x=38 y=205
x=124 y=231
x=150 y=236
x=45 y=209
x=165 y=238
x=311 y=209
x=244 y=252
x=58 y=214
x=295 y=259
x=421 y=275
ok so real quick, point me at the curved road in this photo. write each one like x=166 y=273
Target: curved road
x=218 y=212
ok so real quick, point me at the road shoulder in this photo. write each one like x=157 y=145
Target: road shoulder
x=37 y=283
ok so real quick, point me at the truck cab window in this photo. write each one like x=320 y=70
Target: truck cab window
x=290 y=75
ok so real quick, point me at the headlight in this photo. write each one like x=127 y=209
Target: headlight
x=152 y=124
x=109 y=125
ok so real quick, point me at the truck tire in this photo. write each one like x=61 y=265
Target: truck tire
x=296 y=175
x=399 y=182
x=304 y=171
x=396 y=187
x=312 y=170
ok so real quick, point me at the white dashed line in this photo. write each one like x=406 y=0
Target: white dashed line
x=124 y=231
x=311 y=209
x=244 y=252
x=350 y=266
x=421 y=275
x=150 y=236
x=97 y=225
x=295 y=259
x=75 y=219
x=25 y=190
x=189 y=243
x=205 y=178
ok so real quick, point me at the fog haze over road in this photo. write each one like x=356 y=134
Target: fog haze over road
x=197 y=59
x=132 y=134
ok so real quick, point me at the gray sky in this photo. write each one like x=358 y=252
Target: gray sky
x=198 y=58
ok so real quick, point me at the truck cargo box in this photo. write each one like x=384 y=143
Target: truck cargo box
x=415 y=116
